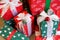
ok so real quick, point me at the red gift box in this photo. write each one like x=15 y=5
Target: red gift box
x=24 y=22
x=36 y=6
x=11 y=9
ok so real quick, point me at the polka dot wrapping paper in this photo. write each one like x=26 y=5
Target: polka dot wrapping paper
x=10 y=22
x=44 y=28
x=10 y=33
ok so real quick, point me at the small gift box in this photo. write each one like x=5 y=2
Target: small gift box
x=10 y=8
x=48 y=23
x=10 y=33
x=24 y=22
x=36 y=6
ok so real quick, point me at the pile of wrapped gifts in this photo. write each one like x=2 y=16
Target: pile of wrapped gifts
x=19 y=19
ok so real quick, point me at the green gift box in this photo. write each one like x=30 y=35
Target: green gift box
x=48 y=23
x=10 y=33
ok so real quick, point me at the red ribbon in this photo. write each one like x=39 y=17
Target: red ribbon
x=10 y=36
x=25 y=30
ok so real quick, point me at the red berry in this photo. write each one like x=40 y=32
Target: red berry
x=47 y=19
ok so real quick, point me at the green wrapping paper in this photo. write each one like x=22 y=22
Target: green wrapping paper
x=7 y=30
x=10 y=22
x=44 y=28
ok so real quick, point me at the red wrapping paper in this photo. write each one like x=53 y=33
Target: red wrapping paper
x=36 y=6
x=55 y=5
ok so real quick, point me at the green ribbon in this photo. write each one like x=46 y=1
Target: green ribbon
x=47 y=5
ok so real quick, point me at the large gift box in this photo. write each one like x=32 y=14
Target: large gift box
x=24 y=22
x=10 y=8
x=48 y=23
x=10 y=33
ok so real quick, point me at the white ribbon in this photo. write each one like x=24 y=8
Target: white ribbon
x=13 y=4
x=49 y=23
x=27 y=18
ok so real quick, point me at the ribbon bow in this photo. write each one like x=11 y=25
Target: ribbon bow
x=49 y=23
x=25 y=17
x=9 y=3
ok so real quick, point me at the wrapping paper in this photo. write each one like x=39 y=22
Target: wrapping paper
x=48 y=23
x=9 y=9
x=10 y=22
x=10 y=33
x=36 y=6
x=24 y=22
x=55 y=5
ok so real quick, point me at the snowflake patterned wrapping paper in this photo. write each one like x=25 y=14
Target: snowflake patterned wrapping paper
x=10 y=8
x=10 y=33
x=48 y=24
x=36 y=6
x=24 y=23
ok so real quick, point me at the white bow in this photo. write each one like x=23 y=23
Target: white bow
x=49 y=23
x=27 y=18
x=13 y=4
